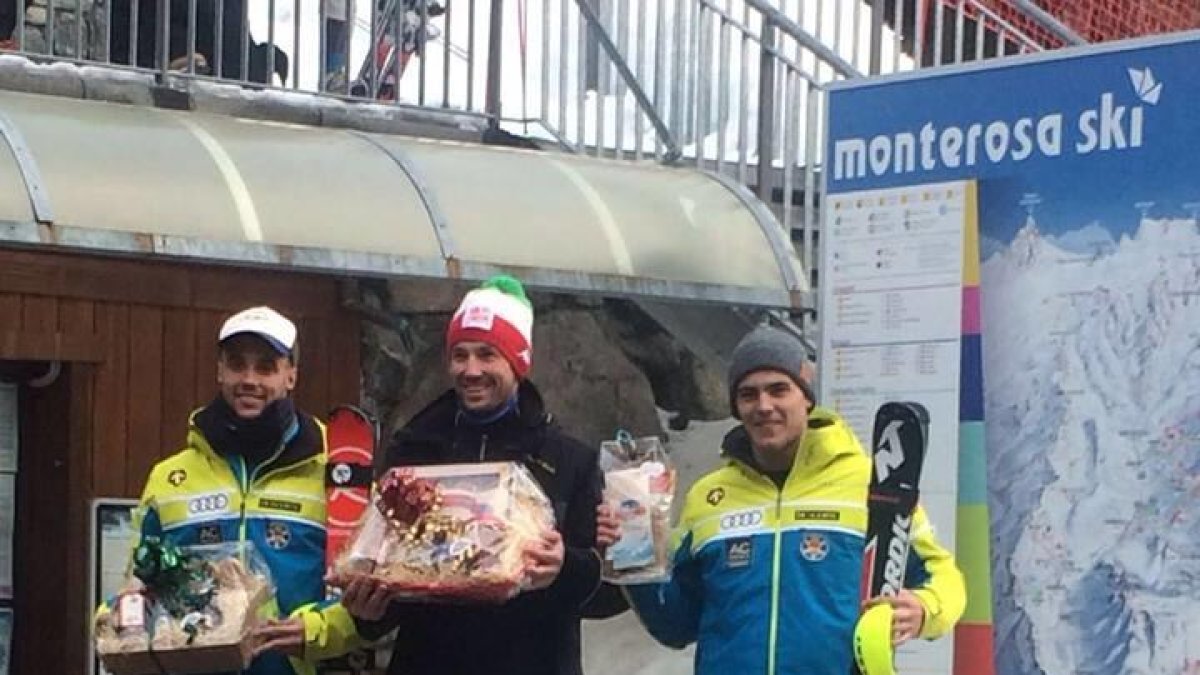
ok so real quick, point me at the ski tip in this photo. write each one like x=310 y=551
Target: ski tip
x=904 y=408
x=350 y=409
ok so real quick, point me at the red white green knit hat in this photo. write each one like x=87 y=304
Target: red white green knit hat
x=500 y=314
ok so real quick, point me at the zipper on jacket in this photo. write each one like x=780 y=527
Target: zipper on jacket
x=244 y=484
x=482 y=446
x=247 y=479
x=773 y=633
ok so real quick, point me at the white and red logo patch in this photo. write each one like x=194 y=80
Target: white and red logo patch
x=480 y=317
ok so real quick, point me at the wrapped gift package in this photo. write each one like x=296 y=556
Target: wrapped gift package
x=450 y=532
x=184 y=610
x=639 y=481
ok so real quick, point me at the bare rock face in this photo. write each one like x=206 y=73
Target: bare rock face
x=683 y=384
x=589 y=384
x=601 y=365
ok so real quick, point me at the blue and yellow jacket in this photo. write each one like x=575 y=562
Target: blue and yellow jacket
x=766 y=579
x=198 y=496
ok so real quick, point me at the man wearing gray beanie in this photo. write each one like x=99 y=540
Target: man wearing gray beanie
x=767 y=348
x=769 y=548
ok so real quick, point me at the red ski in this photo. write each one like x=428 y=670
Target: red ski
x=352 y=437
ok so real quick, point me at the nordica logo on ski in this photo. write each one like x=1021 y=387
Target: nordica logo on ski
x=1102 y=128
x=889 y=455
x=897 y=556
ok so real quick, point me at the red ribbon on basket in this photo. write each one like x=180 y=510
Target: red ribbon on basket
x=404 y=498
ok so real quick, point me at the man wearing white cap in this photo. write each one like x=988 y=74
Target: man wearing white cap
x=253 y=468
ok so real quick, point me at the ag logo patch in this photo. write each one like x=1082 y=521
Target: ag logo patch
x=278 y=536
x=177 y=477
x=715 y=496
x=738 y=552
x=209 y=534
x=814 y=548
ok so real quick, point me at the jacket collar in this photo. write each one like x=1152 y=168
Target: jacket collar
x=308 y=443
x=826 y=439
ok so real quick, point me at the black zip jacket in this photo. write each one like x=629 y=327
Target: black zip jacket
x=537 y=632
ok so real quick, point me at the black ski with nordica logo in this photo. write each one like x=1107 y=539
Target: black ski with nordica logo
x=897 y=455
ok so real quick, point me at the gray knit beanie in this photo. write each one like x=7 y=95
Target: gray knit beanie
x=767 y=348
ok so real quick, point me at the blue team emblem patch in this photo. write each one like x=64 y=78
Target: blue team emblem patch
x=739 y=552
x=278 y=536
x=814 y=548
x=209 y=534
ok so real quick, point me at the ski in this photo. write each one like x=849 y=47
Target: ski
x=348 y=474
x=349 y=470
x=407 y=20
x=898 y=444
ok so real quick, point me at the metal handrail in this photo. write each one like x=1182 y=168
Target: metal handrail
x=1048 y=21
x=803 y=37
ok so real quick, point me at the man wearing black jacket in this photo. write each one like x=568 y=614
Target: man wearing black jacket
x=494 y=414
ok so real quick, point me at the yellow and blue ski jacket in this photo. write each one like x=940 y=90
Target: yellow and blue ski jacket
x=198 y=496
x=766 y=579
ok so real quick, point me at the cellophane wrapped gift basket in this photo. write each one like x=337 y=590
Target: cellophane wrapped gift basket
x=449 y=533
x=184 y=609
x=639 y=480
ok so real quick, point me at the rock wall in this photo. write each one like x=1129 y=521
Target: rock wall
x=601 y=364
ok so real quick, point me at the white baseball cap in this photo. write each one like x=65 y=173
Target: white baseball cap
x=266 y=323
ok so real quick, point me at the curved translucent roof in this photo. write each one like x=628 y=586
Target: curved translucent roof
x=123 y=178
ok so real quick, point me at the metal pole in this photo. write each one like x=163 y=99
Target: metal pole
x=270 y=74
x=164 y=34
x=743 y=100
x=78 y=28
x=107 y=32
x=244 y=43
x=874 y=65
x=471 y=55
x=218 y=54
x=134 y=23
x=191 y=37
x=766 y=110
x=19 y=31
x=322 y=52
x=448 y=21
x=419 y=52
x=296 y=45
x=50 y=32
x=491 y=104
x=373 y=55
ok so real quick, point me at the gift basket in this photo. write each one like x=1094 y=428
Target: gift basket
x=639 y=486
x=184 y=609
x=448 y=532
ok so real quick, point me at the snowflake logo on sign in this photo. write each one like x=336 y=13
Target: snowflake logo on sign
x=1144 y=85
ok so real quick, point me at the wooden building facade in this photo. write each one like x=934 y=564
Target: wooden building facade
x=135 y=342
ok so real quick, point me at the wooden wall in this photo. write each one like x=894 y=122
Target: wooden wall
x=138 y=342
